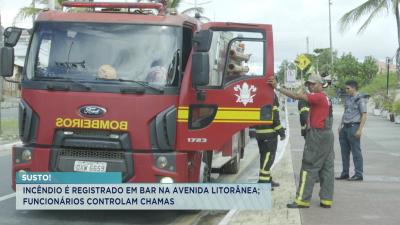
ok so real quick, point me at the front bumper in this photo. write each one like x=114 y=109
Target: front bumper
x=136 y=167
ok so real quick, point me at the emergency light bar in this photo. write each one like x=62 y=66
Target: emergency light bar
x=119 y=5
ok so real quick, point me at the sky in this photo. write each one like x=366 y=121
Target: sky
x=292 y=21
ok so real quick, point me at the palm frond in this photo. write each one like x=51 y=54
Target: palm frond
x=206 y=19
x=174 y=3
x=355 y=14
x=26 y=12
x=374 y=13
x=193 y=9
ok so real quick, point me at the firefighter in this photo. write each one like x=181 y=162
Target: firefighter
x=318 y=155
x=267 y=140
x=304 y=109
x=107 y=71
x=157 y=74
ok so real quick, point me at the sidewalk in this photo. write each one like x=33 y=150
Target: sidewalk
x=376 y=200
x=9 y=102
x=279 y=214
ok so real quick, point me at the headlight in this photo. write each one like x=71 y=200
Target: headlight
x=26 y=155
x=167 y=180
x=162 y=162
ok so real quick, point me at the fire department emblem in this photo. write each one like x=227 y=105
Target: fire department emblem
x=245 y=93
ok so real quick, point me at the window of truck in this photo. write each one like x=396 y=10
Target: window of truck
x=235 y=56
x=102 y=52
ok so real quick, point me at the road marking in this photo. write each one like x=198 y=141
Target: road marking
x=5 y=197
x=227 y=218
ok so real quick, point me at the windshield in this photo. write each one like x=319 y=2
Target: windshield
x=105 y=52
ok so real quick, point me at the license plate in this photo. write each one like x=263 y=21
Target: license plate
x=85 y=166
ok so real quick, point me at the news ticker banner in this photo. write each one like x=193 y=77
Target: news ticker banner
x=101 y=191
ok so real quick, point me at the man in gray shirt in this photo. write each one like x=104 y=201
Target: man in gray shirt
x=350 y=131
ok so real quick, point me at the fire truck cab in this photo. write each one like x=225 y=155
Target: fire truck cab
x=131 y=88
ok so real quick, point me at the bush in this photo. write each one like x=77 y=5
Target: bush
x=388 y=103
x=396 y=107
x=378 y=100
x=378 y=84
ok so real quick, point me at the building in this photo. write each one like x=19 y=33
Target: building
x=382 y=67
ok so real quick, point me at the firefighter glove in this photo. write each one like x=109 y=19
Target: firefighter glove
x=282 y=133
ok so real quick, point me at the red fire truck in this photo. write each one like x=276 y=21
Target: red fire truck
x=136 y=88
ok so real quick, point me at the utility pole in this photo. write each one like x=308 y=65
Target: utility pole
x=388 y=60
x=308 y=45
x=330 y=36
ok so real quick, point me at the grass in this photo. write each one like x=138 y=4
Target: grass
x=9 y=128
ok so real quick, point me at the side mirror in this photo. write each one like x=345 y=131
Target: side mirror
x=11 y=36
x=6 y=61
x=200 y=69
x=202 y=40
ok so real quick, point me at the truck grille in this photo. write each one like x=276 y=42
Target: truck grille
x=92 y=133
x=91 y=154
x=63 y=160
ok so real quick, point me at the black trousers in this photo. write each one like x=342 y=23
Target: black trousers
x=267 y=148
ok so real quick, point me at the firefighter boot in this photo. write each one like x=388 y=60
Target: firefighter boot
x=274 y=184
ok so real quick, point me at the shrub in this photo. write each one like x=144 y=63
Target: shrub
x=396 y=107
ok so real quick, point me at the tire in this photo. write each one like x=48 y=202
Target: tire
x=233 y=166
x=205 y=167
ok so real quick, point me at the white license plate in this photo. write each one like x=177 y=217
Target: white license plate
x=85 y=166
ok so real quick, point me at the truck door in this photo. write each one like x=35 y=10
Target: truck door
x=224 y=89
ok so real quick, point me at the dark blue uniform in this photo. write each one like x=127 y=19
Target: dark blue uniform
x=267 y=140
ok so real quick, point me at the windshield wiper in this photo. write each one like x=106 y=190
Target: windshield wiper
x=71 y=65
x=86 y=87
x=142 y=83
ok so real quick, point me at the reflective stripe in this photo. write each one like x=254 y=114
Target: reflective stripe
x=278 y=127
x=326 y=202
x=304 y=127
x=304 y=109
x=265 y=160
x=183 y=114
x=275 y=108
x=300 y=202
x=303 y=183
x=264 y=172
x=265 y=178
x=265 y=131
x=228 y=115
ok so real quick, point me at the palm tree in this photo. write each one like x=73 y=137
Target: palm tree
x=373 y=8
x=33 y=9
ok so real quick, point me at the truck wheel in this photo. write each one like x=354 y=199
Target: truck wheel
x=205 y=167
x=233 y=166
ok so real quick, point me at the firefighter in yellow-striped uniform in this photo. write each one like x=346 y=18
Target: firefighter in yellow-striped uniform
x=267 y=140
x=304 y=109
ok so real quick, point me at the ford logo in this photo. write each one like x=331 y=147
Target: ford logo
x=92 y=111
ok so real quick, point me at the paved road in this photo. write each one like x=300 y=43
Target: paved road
x=376 y=200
